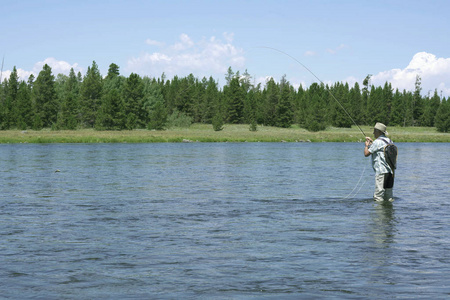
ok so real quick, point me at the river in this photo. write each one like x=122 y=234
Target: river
x=221 y=221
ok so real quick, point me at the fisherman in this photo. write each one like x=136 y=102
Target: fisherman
x=384 y=173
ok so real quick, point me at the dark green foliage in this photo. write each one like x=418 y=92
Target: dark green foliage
x=339 y=116
x=271 y=98
x=284 y=115
x=91 y=93
x=46 y=105
x=69 y=103
x=117 y=102
x=217 y=122
x=158 y=117
x=179 y=119
x=10 y=88
x=234 y=95
x=315 y=119
x=133 y=94
x=442 y=120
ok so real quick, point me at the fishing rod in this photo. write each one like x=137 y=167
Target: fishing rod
x=340 y=104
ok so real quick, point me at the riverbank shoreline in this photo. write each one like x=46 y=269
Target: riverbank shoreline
x=230 y=133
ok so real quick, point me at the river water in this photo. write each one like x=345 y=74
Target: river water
x=221 y=221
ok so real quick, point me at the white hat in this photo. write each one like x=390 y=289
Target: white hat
x=381 y=127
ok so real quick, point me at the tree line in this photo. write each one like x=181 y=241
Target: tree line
x=115 y=102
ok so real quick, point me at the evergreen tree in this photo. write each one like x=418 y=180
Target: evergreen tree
x=235 y=101
x=271 y=96
x=339 y=117
x=408 y=119
x=154 y=105
x=9 y=113
x=133 y=94
x=417 y=103
x=229 y=76
x=23 y=107
x=44 y=95
x=111 y=114
x=316 y=109
x=284 y=114
x=365 y=100
x=113 y=71
x=209 y=98
x=397 y=111
x=356 y=109
x=430 y=108
x=387 y=103
x=376 y=109
x=442 y=119
x=90 y=97
x=300 y=106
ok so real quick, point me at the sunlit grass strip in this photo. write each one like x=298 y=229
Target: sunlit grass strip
x=230 y=133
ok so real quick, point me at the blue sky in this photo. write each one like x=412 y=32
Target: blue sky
x=337 y=40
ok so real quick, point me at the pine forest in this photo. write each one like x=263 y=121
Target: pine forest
x=115 y=102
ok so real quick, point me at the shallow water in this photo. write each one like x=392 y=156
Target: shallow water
x=221 y=221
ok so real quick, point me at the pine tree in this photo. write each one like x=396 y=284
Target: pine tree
x=9 y=113
x=316 y=109
x=209 y=98
x=356 y=109
x=284 y=107
x=271 y=98
x=113 y=71
x=417 y=103
x=133 y=94
x=235 y=101
x=23 y=107
x=338 y=114
x=431 y=106
x=376 y=109
x=397 y=110
x=44 y=95
x=111 y=114
x=300 y=106
x=91 y=93
x=154 y=105
x=442 y=119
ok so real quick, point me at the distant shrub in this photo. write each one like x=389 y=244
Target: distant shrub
x=217 y=122
x=179 y=119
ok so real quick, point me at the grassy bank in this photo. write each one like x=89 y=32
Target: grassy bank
x=230 y=133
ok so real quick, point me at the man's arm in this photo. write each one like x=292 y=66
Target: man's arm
x=366 y=148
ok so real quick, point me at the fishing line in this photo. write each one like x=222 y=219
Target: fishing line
x=343 y=108
x=296 y=60
x=356 y=185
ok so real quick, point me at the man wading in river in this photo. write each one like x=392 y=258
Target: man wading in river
x=384 y=168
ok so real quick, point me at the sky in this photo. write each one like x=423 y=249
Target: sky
x=337 y=41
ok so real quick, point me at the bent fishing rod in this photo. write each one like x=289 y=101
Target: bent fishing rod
x=296 y=60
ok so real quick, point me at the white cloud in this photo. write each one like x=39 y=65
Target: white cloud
x=154 y=43
x=206 y=57
x=434 y=73
x=57 y=66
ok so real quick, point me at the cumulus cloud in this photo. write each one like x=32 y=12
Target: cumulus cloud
x=57 y=66
x=205 y=57
x=433 y=71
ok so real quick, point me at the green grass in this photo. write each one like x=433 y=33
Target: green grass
x=230 y=133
